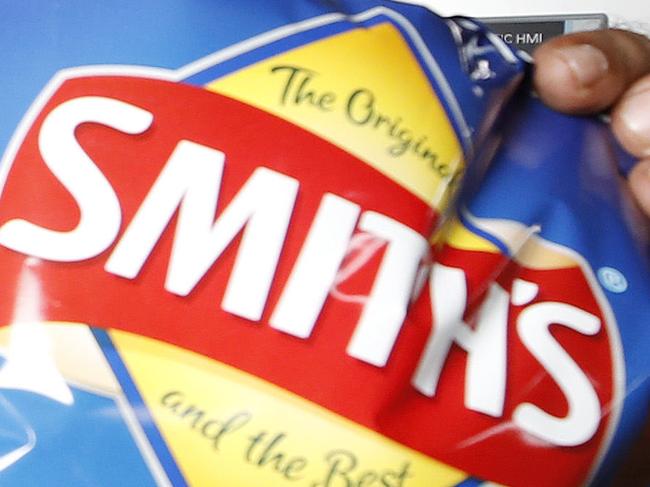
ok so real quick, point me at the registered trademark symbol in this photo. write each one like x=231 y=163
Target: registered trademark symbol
x=612 y=279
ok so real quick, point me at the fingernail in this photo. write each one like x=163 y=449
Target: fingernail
x=587 y=63
x=634 y=112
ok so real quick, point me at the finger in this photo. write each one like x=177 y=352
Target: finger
x=588 y=71
x=639 y=179
x=631 y=119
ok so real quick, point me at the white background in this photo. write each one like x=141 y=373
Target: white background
x=634 y=14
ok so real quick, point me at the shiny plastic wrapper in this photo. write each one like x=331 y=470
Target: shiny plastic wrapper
x=310 y=243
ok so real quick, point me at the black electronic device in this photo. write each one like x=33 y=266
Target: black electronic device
x=527 y=32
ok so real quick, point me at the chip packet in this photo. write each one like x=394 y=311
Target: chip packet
x=235 y=252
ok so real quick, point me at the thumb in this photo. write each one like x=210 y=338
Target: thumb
x=588 y=71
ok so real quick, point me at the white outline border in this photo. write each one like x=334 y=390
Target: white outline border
x=616 y=346
x=177 y=75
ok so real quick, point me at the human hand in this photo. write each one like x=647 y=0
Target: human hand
x=588 y=72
